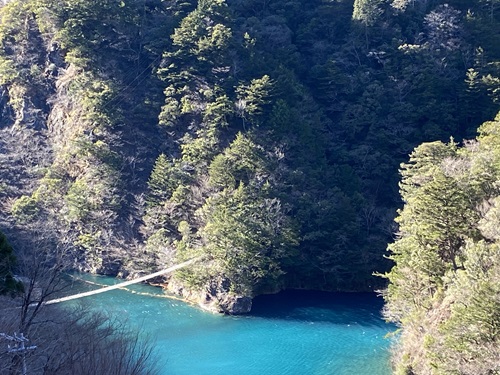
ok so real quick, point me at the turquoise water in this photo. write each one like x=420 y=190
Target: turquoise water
x=292 y=333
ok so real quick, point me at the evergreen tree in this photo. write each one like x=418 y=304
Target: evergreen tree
x=367 y=11
x=444 y=287
x=7 y=262
x=164 y=179
x=247 y=236
x=310 y=107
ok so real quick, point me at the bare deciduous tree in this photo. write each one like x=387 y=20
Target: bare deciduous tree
x=76 y=340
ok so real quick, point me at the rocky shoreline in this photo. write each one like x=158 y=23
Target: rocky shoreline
x=215 y=300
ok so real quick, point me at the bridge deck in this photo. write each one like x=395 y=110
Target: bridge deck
x=125 y=283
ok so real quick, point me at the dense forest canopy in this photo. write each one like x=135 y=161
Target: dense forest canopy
x=265 y=135
x=445 y=287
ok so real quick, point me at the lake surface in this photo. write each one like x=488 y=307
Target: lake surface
x=292 y=333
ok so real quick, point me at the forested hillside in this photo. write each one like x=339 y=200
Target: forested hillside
x=445 y=287
x=265 y=135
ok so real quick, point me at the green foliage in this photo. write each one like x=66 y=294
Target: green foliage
x=309 y=108
x=203 y=35
x=219 y=111
x=7 y=71
x=84 y=27
x=14 y=13
x=252 y=98
x=25 y=209
x=78 y=201
x=445 y=277
x=197 y=151
x=473 y=329
x=89 y=241
x=99 y=151
x=170 y=111
x=93 y=94
x=367 y=11
x=92 y=197
x=239 y=163
x=247 y=236
x=164 y=179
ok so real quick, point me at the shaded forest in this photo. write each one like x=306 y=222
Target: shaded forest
x=263 y=134
x=278 y=139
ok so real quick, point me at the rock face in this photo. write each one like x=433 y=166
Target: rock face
x=216 y=297
x=235 y=305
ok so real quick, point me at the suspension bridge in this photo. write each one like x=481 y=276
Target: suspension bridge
x=125 y=283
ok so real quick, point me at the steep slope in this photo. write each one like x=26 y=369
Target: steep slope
x=445 y=287
x=74 y=88
x=264 y=135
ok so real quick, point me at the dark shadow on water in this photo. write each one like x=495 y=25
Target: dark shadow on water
x=313 y=306
x=349 y=309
